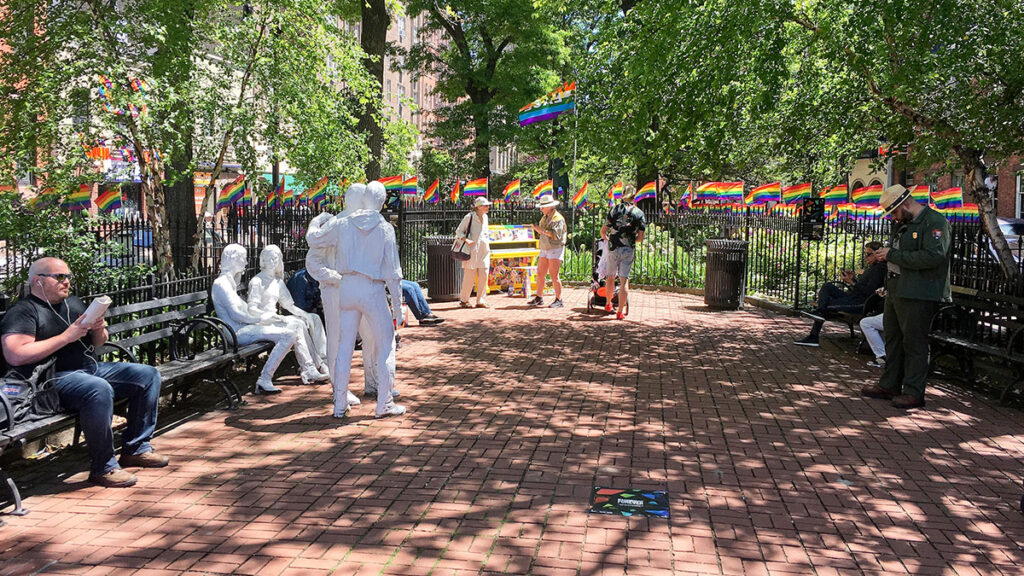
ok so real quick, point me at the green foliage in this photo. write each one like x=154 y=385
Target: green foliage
x=436 y=164
x=399 y=141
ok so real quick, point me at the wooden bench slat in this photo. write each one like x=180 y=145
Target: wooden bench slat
x=190 y=298
x=155 y=319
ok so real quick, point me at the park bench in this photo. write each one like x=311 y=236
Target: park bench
x=178 y=329
x=872 y=306
x=981 y=324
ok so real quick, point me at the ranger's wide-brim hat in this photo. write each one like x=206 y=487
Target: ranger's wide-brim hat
x=547 y=201
x=892 y=197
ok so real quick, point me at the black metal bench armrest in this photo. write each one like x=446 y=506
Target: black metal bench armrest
x=1018 y=333
x=228 y=338
x=103 y=351
x=944 y=311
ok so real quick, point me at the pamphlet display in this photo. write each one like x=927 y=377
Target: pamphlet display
x=514 y=252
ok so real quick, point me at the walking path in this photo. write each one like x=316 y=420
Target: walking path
x=773 y=462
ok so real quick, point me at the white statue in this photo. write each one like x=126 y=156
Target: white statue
x=354 y=256
x=251 y=327
x=267 y=291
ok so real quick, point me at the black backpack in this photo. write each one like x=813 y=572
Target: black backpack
x=27 y=400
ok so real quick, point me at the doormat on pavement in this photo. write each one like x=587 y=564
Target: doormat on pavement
x=629 y=502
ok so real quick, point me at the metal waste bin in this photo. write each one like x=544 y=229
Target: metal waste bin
x=444 y=273
x=725 y=275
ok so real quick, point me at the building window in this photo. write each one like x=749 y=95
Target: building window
x=1020 y=194
x=958 y=180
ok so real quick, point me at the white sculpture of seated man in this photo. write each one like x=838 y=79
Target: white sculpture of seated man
x=268 y=292
x=250 y=327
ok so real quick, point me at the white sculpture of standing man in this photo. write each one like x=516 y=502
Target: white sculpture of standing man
x=352 y=284
x=267 y=291
x=250 y=327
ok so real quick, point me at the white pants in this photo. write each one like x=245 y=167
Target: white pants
x=315 y=337
x=871 y=326
x=469 y=275
x=284 y=337
x=356 y=299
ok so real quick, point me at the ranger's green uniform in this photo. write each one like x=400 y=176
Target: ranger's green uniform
x=917 y=281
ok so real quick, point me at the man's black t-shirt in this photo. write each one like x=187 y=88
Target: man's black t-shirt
x=625 y=221
x=35 y=317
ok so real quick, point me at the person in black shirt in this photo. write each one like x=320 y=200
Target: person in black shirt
x=47 y=323
x=849 y=296
x=623 y=229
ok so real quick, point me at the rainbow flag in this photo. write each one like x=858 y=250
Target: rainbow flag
x=476 y=187
x=835 y=195
x=511 y=190
x=227 y=194
x=615 y=192
x=707 y=191
x=392 y=183
x=948 y=198
x=649 y=190
x=431 y=196
x=921 y=193
x=867 y=195
x=549 y=106
x=318 y=192
x=276 y=196
x=965 y=213
x=580 y=198
x=109 y=201
x=411 y=186
x=764 y=193
x=686 y=199
x=455 y=193
x=79 y=199
x=288 y=200
x=246 y=201
x=796 y=192
x=730 y=191
x=544 y=187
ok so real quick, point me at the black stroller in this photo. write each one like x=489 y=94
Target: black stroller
x=598 y=296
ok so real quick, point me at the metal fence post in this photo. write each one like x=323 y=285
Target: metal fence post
x=796 y=277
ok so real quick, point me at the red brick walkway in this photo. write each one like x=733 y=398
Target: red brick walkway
x=773 y=463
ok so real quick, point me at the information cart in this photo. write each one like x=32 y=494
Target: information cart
x=514 y=254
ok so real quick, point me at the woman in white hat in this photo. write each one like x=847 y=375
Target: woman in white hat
x=473 y=231
x=551 y=233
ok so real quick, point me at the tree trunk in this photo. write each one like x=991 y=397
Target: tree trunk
x=373 y=40
x=181 y=212
x=978 y=193
x=156 y=213
x=481 y=142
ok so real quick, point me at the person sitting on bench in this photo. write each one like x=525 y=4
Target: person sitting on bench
x=47 y=323
x=848 y=296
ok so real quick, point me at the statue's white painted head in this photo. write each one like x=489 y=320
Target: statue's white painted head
x=376 y=194
x=232 y=259
x=355 y=196
x=272 y=261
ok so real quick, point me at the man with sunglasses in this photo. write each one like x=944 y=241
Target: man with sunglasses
x=47 y=323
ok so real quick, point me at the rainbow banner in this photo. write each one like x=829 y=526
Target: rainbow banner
x=730 y=192
x=867 y=195
x=706 y=192
x=686 y=200
x=921 y=193
x=796 y=192
x=963 y=213
x=647 y=191
x=318 y=193
x=512 y=189
x=109 y=201
x=288 y=200
x=230 y=193
x=476 y=187
x=835 y=195
x=454 y=196
x=431 y=196
x=948 y=198
x=549 y=106
x=411 y=186
x=615 y=192
x=579 y=199
x=763 y=194
x=393 y=184
x=79 y=199
x=544 y=187
x=246 y=201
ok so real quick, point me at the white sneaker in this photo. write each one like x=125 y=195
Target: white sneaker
x=311 y=376
x=266 y=386
x=353 y=400
x=392 y=409
x=324 y=370
x=342 y=413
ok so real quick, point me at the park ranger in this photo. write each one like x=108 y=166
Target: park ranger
x=917 y=281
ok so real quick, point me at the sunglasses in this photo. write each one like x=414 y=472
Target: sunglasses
x=60 y=277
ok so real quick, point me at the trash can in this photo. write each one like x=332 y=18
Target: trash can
x=725 y=275
x=444 y=273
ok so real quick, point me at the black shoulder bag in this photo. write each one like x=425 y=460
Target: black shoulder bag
x=27 y=399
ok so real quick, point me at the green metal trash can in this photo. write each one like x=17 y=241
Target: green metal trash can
x=444 y=273
x=725 y=275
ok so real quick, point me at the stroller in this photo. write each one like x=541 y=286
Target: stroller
x=598 y=293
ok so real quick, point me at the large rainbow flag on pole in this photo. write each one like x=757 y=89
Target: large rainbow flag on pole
x=835 y=195
x=796 y=192
x=512 y=189
x=455 y=193
x=544 y=187
x=867 y=195
x=431 y=196
x=411 y=186
x=231 y=193
x=476 y=187
x=706 y=191
x=393 y=184
x=730 y=191
x=647 y=191
x=948 y=198
x=580 y=198
x=763 y=194
x=921 y=193
x=79 y=199
x=549 y=106
x=109 y=201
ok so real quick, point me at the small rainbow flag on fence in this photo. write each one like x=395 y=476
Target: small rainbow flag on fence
x=318 y=193
x=763 y=194
x=455 y=193
x=231 y=193
x=579 y=199
x=430 y=196
x=411 y=186
x=796 y=192
x=288 y=200
x=79 y=199
x=867 y=195
x=964 y=213
x=393 y=184
x=246 y=201
x=686 y=199
x=921 y=193
x=476 y=187
x=730 y=191
x=835 y=195
x=706 y=191
x=512 y=189
x=948 y=198
x=647 y=191
x=615 y=192
x=109 y=201
x=544 y=187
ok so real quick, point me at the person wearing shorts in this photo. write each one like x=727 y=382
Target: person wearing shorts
x=551 y=233
x=623 y=229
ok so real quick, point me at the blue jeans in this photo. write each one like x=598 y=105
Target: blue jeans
x=91 y=393
x=414 y=299
x=834 y=298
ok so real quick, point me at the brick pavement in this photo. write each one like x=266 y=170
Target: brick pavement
x=773 y=463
